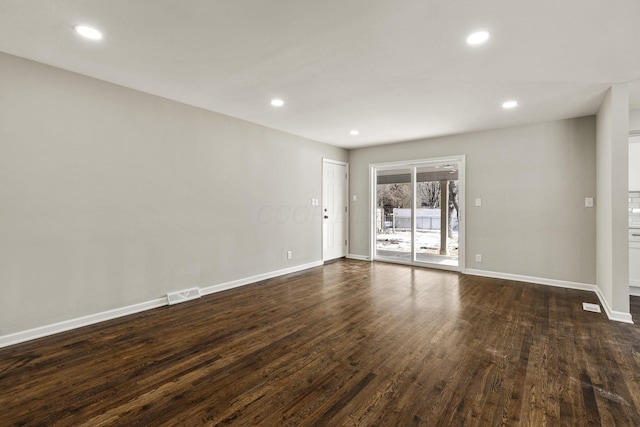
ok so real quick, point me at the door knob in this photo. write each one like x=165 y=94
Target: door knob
x=326 y=217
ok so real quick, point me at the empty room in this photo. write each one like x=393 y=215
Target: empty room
x=319 y=213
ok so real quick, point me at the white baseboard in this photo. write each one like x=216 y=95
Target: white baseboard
x=67 y=325
x=618 y=316
x=358 y=257
x=612 y=315
x=253 y=279
x=634 y=290
x=531 y=279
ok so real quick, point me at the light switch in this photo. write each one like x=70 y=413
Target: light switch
x=478 y=202
x=355 y=197
x=588 y=202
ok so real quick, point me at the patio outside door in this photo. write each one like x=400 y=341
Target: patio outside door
x=417 y=212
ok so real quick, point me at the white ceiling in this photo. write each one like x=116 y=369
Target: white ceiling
x=393 y=69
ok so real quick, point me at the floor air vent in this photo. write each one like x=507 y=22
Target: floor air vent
x=182 y=296
x=591 y=307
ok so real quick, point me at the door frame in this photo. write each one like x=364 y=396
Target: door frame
x=346 y=203
x=373 y=167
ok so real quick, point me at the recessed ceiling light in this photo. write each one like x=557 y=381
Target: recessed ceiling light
x=277 y=102
x=478 y=38
x=354 y=132
x=88 y=32
x=509 y=104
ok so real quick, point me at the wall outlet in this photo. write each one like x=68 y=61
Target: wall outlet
x=289 y=254
x=478 y=202
x=588 y=202
x=478 y=258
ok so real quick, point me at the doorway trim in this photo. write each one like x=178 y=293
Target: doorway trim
x=373 y=167
x=346 y=203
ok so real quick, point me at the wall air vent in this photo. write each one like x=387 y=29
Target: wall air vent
x=591 y=307
x=182 y=296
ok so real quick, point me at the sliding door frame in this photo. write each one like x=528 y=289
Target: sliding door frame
x=413 y=164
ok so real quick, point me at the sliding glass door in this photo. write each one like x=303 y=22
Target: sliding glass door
x=417 y=211
x=394 y=219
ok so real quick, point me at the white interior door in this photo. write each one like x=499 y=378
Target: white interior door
x=334 y=209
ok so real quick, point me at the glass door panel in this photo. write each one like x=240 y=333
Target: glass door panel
x=394 y=214
x=436 y=233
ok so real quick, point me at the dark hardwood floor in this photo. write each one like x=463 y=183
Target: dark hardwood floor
x=350 y=343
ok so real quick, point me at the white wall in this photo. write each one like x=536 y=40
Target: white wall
x=111 y=197
x=612 y=148
x=532 y=180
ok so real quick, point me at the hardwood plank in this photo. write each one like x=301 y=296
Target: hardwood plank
x=349 y=343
